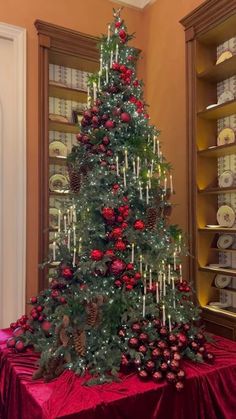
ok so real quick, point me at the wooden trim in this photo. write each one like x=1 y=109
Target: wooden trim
x=209 y=14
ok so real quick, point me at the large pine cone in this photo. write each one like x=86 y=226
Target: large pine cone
x=80 y=342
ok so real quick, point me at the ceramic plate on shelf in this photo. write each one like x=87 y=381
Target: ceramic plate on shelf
x=53 y=217
x=57 y=149
x=225 y=216
x=58 y=118
x=224 y=56
x=226 y=136
x=222 y=281
x=226 y=96
x=225 y=241
x=226 y=179
x=58 y=183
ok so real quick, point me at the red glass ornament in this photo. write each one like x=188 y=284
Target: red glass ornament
x=156 y=353
x=109 y=124
x=96 y=254
x=133 y=342
x=33 y=300
x=136 y=327
x=125 y=117
x=144 y=337
x=142 y=349
x=106 y=140
x=19 y=346
x=120 y=245
x=179 y=386
x=130 y=266
x=150 y=365
x=11 y=342
x=108 y=213
x=157 y=376
x=143 y=375
x=163 y=366
x=181 y=375
x=67 y=273
x=171 y=377
x=139 y=225
x=117 y=267
x=174 y=365
x=46 y=326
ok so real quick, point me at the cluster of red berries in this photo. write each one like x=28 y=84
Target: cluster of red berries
x=125 y=72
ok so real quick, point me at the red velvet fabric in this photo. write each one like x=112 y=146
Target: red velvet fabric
x=209 y=392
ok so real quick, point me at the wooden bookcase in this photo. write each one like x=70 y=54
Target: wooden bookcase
x=63 y=49
x=207 y=28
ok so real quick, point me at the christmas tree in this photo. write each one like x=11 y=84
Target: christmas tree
x=118 y=302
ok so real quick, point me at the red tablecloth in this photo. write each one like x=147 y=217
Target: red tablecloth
x=209 y=393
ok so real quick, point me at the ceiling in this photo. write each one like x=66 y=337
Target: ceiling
x=139 y=4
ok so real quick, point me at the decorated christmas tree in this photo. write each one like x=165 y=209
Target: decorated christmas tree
x=119 y=302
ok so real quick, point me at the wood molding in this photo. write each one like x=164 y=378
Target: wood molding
x=208 y=14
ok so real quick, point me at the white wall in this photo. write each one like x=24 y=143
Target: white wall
x=12 y=172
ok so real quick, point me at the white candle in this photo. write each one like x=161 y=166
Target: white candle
x=89 y=98
x=94 y=91
x=154 y=145
x=144 y=305
x=149 y=179
x=74 y=217
x=180 y=239
x=124 y=177
x=164 y=285
x=74 y=236
x=140 y=191
x=107 y=80
x=59 y=221
x=163 y=315
x=141 y=263
x=126 y=159
x=101 y=64
x=152 y=163
x=117 y=166
x=171 y=184
x=173 y=283
x=145 y=283
x=68 y=239
x=174 y=302
x=168 y=273
x=71 y=213
x=174 y=256
x=160 y=282
x=54 y=250
x=132 y=253
x=111 y=59
x=147 y=194
x=180 y=273
x=169 y=321
x=158 y=148
x=150 y=278
x=138 y=166
x=99 y=80
x=74 y=255
x=157 y=292
x=160 y=156
x=165 y=184
x=108 y=33
x=65 y=226
x=134 y=169
x=117 y=52
x=80 y=244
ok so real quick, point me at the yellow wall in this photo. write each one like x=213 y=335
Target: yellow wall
x=162 y=39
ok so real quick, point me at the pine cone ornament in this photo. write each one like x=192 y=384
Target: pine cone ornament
x=80 y=342
x=92 y=311
x=74 y=179
x=152 y=214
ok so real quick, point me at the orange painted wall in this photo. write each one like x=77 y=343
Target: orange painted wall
x=163 y=44
x=88 y=16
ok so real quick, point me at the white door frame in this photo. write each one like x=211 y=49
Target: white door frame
x=14 y=275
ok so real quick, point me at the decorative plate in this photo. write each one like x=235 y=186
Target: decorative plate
x=226 y=136
x=222 y=281
x=225 y=241
x=225 y=216
x=58 y=118
x=224 y=56
x=53 y=217
x=226 y=96
x=57 y=149
x=58 y=183
x=212 y=105
x=226 y=179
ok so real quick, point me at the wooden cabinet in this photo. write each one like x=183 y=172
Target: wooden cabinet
x=211 y=30
x=66 y=59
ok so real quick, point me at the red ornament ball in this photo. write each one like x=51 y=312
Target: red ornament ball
x=122 y=34
x=144 y=337
x=19 y=346
x=118 y=24
x=108 y=213
x=142 y=349
x=46 y=326
x=179 y=386
x=115 y=187
x=170 y=377
x=117 y=267
x=109 y=124
x=18 y=332
x=150 y=365
x=96 y=254
x=139 y=225
x=33 y=300
x=181 y=375
x=133 y=342
x=116 y=66
x=116 y=232
x=143 y=375
x=164 y=366
x=120 y=245
x=125 y=117
x=136 y=327
x=130 y=267
x=106 y=140
x=157 y=376
x=67 y=273
x=11 y=343
x=156 y=353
